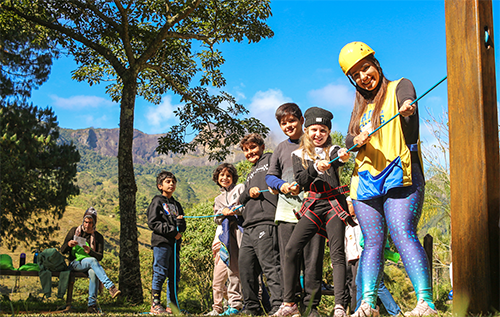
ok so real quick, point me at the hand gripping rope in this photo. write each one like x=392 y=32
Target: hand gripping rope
x=396 y=115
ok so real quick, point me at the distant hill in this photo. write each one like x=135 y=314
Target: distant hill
x=98 y=170
x=105 y=143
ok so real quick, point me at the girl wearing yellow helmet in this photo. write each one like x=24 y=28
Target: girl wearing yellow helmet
x=387 y=187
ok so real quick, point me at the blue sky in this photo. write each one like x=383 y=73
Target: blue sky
x=299 y=64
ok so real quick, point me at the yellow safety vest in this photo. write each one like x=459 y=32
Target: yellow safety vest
x=384 y=162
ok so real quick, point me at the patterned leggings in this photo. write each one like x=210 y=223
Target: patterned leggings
x=399 y=211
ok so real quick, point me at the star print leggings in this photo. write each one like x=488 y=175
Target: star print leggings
x=399 y=211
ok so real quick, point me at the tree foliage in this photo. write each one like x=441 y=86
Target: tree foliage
x=147 y=48
x=26 y=52
x=38 y=175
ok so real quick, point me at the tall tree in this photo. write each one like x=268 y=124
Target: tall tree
x=146 y=48
x=38 y=175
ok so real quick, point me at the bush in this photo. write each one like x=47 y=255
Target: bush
x=197 y=261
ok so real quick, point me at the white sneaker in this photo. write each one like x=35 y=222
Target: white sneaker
x=422 y=309
x=339 y=311
x=285 y=311
x=365 y=310
x=212 y=313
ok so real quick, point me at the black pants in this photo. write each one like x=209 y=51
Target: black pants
x=310 y=258
x=305 y=231
x=352 y=267
x=259 y=252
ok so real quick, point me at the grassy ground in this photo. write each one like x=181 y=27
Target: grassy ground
x=26 y=292
x=24 y=296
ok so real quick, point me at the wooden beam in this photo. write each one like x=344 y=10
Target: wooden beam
x=474 y=154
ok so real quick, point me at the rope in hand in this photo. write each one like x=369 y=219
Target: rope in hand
x=396 y=115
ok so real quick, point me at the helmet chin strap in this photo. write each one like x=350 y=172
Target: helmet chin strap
x=368 y=94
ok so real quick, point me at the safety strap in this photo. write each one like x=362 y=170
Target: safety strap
x=336 y=210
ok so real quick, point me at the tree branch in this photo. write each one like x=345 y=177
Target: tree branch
x=125 y=36
x=163 y=33
x=90 y=5
x=106 y=53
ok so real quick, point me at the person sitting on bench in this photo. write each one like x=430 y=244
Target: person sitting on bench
x=85 y=247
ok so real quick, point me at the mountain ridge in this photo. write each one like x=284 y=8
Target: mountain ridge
x=105 y=142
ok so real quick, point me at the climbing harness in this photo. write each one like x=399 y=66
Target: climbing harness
x=396 y=115
x=336 y=209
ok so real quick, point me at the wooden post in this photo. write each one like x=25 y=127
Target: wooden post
x=474 y=155
x=428 y=245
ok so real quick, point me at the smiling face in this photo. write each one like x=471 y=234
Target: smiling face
x=252 y=151
x=365 y=74
x=292 y=126
x=318 y=134
x=167 y=187
x=225 y=178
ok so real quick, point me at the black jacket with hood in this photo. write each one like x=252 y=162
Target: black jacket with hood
x=162 y=219
x=261 y=210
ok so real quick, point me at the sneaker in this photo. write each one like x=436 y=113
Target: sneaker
x=113 y=291
x=365 y=310
x=93 y=309
x=422 y=309
x=212 y=313
x=273 y=310
x=339 y=311
x=158 y=309
x=230 y=311
x=285 y=310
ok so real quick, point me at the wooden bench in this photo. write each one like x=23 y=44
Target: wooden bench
x=71 y=283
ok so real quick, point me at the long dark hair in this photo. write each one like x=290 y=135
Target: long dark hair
x=365 y=97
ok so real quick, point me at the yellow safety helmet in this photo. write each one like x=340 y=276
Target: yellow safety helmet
x=353 y=53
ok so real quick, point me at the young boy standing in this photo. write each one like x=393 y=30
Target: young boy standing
x=280 y=177
x=259 y=250
x=166 y=219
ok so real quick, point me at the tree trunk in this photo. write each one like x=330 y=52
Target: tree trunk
x=130 y=273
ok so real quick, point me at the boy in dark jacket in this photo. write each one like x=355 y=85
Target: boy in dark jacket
x=259 y=250
x=280 y=178
x=166 y=219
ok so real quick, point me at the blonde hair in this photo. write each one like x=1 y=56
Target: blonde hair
x=307 y=147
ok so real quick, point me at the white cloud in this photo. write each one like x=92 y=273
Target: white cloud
x=332 y=96
x=80 y=102
x=156 y=116
x=91 y=121
x=264 y=104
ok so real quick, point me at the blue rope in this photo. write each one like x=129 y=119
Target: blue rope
x=175 y=274
x=396 y=115
x=264 y=190
x=198 y=217
x=175 y=254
